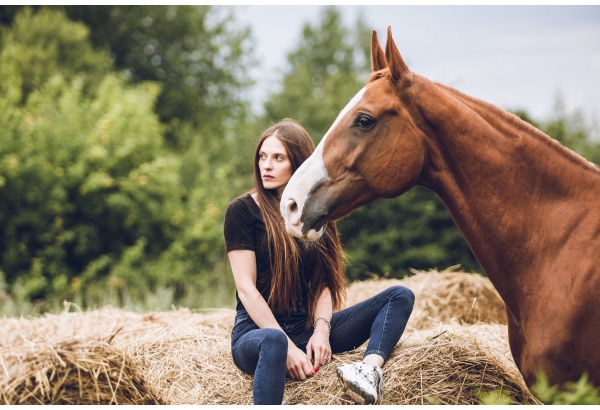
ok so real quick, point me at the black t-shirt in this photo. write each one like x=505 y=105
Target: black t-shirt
x=244 y=229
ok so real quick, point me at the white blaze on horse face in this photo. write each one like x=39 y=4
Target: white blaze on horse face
x=306 y=177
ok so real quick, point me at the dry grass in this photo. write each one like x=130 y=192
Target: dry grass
x=441 y=296
x=75 y=372
x=109 y=356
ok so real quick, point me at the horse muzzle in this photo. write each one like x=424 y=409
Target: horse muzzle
x=300 y=223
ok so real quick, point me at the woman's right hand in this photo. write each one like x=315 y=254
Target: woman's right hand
x=298 y=364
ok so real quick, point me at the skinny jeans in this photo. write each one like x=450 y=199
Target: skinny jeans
x=380 y=319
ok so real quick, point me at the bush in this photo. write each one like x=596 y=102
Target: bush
x=85 y=182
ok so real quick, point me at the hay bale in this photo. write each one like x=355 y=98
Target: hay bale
x=67 y=332
x=441 y=297
x=74 y=372
x=99 y=323
x=452 y=368
x=188 y=364
x=68 y=326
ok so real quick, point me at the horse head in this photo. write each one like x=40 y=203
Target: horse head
x=375 y=148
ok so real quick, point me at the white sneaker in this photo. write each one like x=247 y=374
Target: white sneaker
x=363 y=382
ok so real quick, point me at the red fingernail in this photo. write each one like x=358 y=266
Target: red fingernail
x=315 y=370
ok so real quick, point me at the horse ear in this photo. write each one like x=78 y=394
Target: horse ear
x=398 y=68
x=378 y=61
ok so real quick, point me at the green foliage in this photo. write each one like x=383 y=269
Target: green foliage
x=390 y=236
x=198 y=53
x=496 y=397
x=84 y=179
x=83 y=182
x=93 y=206
x=38 y=46
x=578 y=393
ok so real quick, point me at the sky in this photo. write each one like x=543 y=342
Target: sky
x=515 y=57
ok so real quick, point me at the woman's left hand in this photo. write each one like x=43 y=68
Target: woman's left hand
x=319 y=345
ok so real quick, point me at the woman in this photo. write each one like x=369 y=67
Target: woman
x=287 y=290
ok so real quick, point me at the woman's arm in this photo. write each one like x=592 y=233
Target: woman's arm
x=319 y=341
x=243 y=266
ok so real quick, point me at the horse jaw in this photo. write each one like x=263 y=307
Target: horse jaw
x=303 y=183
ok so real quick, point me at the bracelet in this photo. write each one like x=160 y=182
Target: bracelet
x=323 y=318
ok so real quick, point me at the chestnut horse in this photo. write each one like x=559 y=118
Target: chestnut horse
x=528 y=207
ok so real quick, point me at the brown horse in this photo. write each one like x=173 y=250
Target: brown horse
x=528 y=207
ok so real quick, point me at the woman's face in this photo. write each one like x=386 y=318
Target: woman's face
x=274 y=164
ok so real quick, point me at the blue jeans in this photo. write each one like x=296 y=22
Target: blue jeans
x=263 y=352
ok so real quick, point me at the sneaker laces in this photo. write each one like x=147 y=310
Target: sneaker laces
x=369 y=372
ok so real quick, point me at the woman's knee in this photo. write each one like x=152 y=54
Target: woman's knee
x=403 y=293
x=275 y=341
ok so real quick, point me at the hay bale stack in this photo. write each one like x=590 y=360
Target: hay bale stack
x=72 y=372
x=440 y=297
x=110 y=356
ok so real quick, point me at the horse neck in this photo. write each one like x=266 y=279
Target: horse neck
x=502 y=180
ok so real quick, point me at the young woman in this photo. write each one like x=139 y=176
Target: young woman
x=287 y=290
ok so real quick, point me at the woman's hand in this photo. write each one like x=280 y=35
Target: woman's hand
x=319 y=345
x=298 y=364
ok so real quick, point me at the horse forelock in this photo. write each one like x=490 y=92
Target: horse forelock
x=378 y=74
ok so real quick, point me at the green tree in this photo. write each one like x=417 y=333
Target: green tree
x=325 y=71
x=41 y=45
x=198 y=53
x=389 y=236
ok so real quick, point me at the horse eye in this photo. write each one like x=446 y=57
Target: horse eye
x=364 y=122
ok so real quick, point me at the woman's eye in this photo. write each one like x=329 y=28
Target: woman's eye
x=364 y=122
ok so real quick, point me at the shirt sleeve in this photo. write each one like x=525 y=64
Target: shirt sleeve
x=238 y=229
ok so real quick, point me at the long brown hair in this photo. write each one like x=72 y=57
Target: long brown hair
x=286 y=252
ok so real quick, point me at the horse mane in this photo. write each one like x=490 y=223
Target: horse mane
x=515 y=121
x=522 y=126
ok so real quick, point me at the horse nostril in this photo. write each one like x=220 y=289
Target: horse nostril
x=292 y=212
